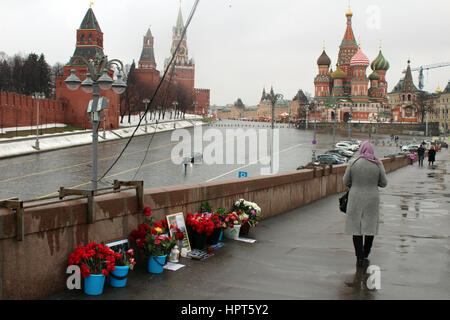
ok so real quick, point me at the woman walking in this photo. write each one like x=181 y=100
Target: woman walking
x=431 y=156
x=364 y=175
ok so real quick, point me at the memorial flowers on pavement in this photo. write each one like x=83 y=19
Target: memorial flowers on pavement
x=250 y=210
x=153 y=236
x=93 y=258
x=126 y=259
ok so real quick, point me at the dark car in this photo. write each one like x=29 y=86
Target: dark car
x=341 y=152
x=328 y=158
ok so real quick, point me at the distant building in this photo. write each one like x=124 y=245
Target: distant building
x=404 y=98
x=440 y=102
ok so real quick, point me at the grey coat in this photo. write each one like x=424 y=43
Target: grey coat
x=364 y=177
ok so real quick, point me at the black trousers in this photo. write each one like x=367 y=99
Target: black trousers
x=362 y=250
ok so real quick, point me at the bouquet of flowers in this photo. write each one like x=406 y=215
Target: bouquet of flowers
x=250 y=210
x=153 y=236
x=231 y=220
x=126 y=259
x=93 y=258
x=202 y=223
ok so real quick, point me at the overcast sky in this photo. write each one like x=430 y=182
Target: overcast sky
x=241 y=46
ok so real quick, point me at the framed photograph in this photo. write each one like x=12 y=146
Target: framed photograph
x=177 y=219
x=120 y=245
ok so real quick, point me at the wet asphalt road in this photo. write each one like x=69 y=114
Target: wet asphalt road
x=39 y=175
x=304 y=254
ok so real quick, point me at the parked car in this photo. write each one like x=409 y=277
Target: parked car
x=346 y=146
x=328 y=158
x=354 y=143
x=341 y=152
x=410 y=147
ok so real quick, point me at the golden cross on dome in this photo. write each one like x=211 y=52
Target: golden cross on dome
x=323 y=45
x=380 y=46
x=91 y=4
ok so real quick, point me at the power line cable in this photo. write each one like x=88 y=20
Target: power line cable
x=156 y=91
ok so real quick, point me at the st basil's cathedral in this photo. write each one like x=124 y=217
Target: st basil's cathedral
x=356 y=96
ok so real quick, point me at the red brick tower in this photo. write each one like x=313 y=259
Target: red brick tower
x=89 y=45
x=146 y=72
x=184 y=68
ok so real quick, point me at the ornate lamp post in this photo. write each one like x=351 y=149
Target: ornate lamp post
x=97 y=79
x=272 y=97
x=38 y=96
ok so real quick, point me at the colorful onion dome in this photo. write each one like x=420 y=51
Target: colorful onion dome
x=324 y=59
x=359 y=59
x=380 y=63
x=374 y=76
x=338 y=74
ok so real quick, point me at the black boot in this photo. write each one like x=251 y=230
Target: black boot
x=359 y=250
x=368 y=241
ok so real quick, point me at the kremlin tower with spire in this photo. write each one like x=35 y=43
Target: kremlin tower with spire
x=357 y=96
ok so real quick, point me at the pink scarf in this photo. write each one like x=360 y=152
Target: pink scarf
x=367 y=152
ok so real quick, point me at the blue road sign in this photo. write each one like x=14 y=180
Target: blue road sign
x=242 y=174
x=314 y=141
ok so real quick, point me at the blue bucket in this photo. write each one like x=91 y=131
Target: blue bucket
x=118 y=277
x=156 y=264
x=93 y=285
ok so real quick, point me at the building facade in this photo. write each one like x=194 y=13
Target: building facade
x=348 y=90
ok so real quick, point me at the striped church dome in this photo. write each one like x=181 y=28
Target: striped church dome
x=324 y=59
x=380 y=63
x=359 y=59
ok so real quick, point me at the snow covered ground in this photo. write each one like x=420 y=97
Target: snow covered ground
x=41 y=126
x=17 y=147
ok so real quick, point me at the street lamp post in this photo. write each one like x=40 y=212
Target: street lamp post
x=272 y=97
x=146 y=101
x=38 y=96
x=350 y=121
x=313 y=157
x=175 y=104
x=334 y=123
x=307 y=116
x=378 y=122
x=97 y=79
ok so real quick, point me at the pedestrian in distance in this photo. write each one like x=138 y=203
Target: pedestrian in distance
x=363 y=176
x=421 y=154
x=412 y=156
x=431 y=156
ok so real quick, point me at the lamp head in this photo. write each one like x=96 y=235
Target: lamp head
x=73 y=82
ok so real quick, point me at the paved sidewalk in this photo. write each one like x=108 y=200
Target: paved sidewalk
x=304 y=254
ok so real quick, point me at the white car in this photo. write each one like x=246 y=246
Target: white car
x=353 y=143
x=409 y=147
x=346 y=146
